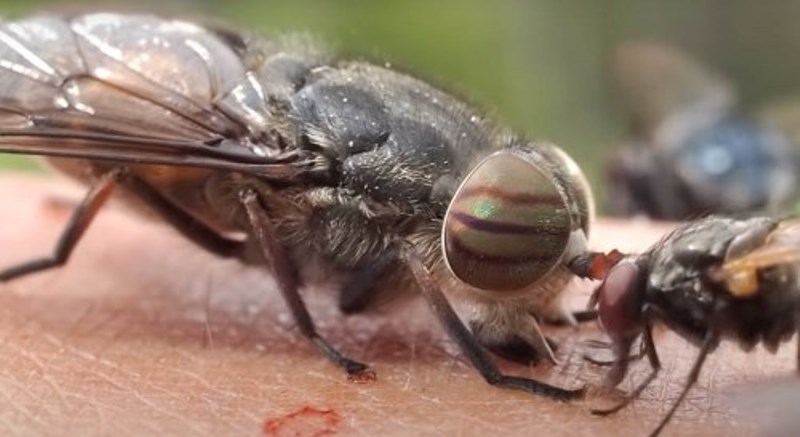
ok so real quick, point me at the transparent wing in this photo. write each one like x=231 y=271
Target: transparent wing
x=129 y=87
x=763 y=257
x=658 y=82
x=781 y=247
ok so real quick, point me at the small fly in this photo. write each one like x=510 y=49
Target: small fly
x=710 y=279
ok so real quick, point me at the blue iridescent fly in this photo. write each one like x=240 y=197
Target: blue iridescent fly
x=693 y=152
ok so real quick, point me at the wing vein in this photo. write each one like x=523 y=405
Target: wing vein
x=172 y=100
x=26 y=54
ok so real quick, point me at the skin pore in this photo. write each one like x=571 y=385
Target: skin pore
x=141 y=333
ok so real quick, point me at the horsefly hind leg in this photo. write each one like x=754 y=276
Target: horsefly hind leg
x=285 y=275
x=78 y=223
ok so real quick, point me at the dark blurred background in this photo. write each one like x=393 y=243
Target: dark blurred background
x=540 y=66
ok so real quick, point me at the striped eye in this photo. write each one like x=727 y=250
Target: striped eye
x=507 y=225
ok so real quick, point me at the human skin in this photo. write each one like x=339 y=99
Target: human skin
x=141 y=333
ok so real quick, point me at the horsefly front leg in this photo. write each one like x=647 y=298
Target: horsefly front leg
x=467 y=342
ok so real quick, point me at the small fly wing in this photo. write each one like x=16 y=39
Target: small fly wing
x=129 y=87
x=658 y=82
x=781 y=247
x=763 y=257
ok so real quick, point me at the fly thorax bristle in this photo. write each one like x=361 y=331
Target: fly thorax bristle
x=547 y=297
x=498 y=319
x=544 y=299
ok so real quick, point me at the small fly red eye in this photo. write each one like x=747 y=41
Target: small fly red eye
x=619 y=301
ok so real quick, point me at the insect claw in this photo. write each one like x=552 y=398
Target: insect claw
x=354 y=367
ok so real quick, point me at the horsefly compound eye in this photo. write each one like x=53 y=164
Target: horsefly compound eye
x=618 y=301
x=507 y=225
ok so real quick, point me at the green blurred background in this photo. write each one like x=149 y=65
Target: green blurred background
x=540 y=66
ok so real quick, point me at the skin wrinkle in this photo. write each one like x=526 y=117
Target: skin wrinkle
x=44 y=375
x=24 y=354
x=8 y=425
x=11 y=399
x=136 y=393
x=96 y=358
x=93 y=358
x=81 y=400
x=103 y=411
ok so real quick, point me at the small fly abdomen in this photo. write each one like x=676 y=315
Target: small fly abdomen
x=507 y=226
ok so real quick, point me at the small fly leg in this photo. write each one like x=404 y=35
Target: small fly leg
x=620 y=368
x=285 y=275
x=590 y=265
x=468 y=343
x=76 y=227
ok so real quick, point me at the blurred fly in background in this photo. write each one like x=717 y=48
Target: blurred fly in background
x=693 y=152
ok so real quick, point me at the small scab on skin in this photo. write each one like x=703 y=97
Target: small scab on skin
x=306 y=422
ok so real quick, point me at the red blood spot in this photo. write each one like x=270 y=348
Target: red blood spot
x=306 y=422
x=363 y=377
